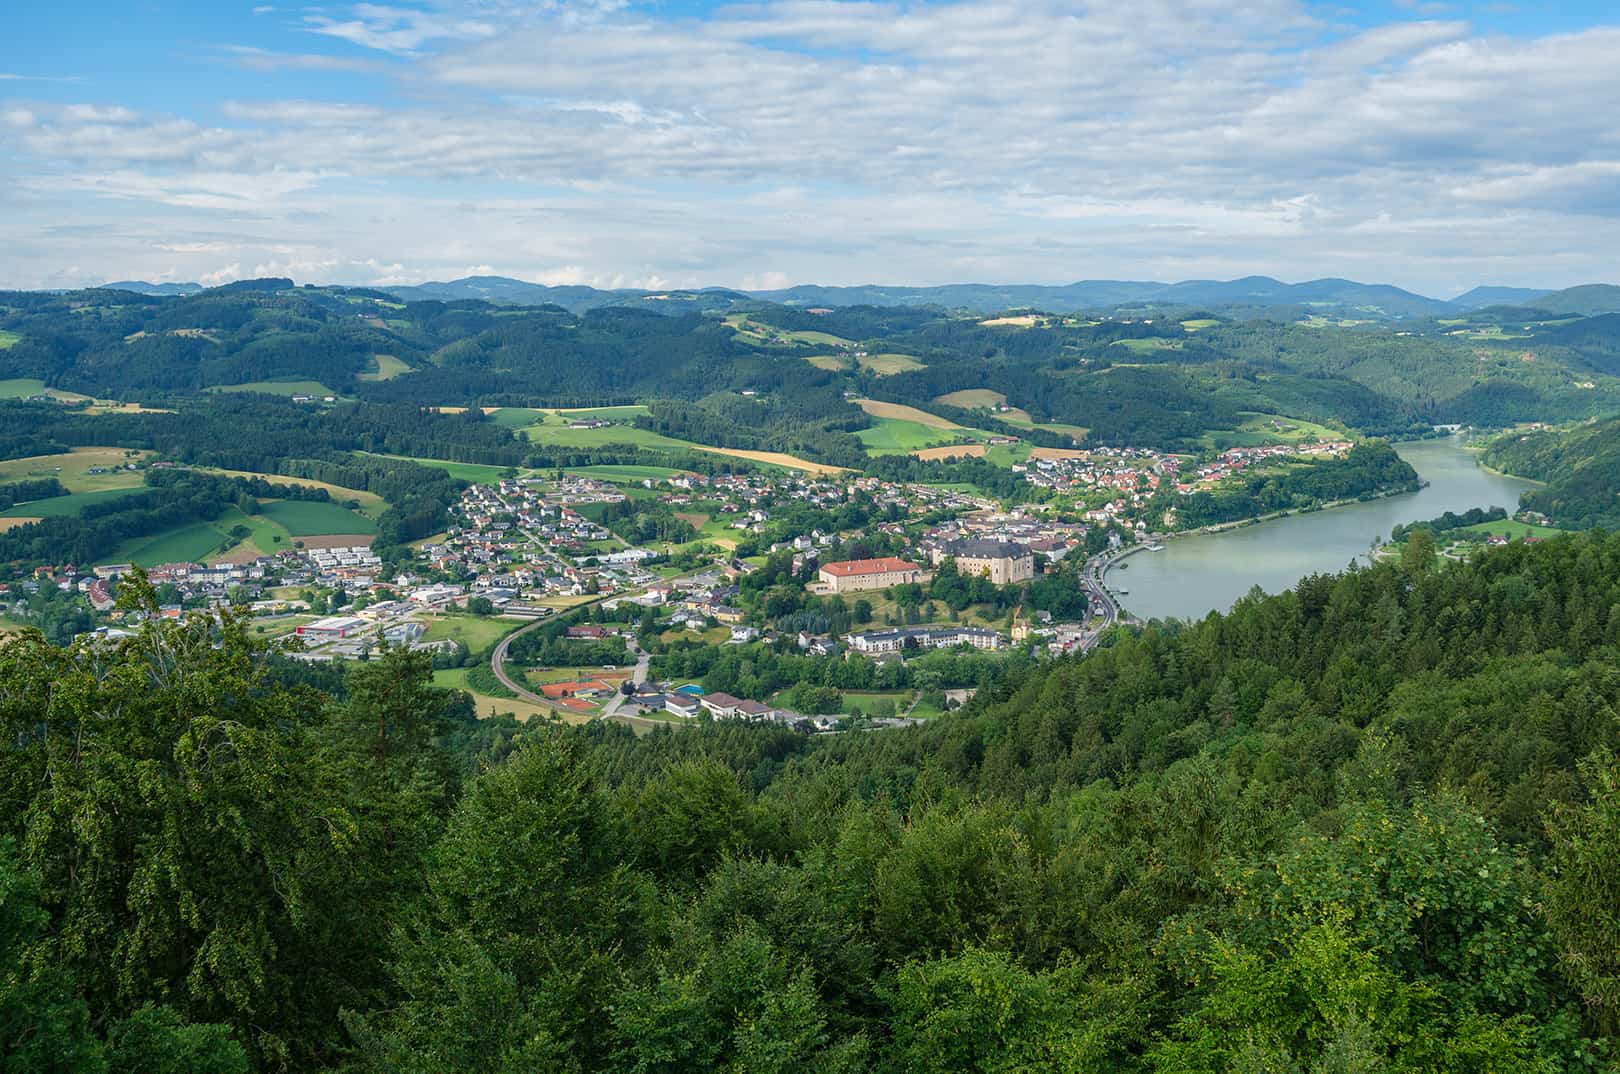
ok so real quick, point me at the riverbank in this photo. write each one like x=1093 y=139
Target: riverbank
x=1201 y=571
x=1243 y=523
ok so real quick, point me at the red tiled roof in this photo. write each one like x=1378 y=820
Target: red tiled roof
x=886 y=565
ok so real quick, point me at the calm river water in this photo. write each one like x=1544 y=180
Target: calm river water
x=1199 y=574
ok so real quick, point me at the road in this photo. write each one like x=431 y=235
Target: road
x=497 y=659
x=497 y=664
x=1099 y=598
x=643 y=659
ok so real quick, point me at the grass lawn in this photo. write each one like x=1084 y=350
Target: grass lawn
x=475 y=632
x=1506 y=527
x=627 y=472
x=306 y=518
x=1008 y=454
x=765 y=335
x=833 y=363
x=71 y=504
x=71 y=469
x=456 y=679
x=268 y=628
x=278 y=387
x=887 y=364
x=863 y=702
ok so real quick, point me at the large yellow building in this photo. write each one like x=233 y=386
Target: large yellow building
x=1002 y=562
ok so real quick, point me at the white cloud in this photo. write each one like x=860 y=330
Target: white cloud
x=840 y=141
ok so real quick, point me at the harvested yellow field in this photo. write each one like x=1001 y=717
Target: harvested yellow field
x=902 y=412
x=952 y=451
x=1055 y=453
x=13 y=523
x=972 y=398
x=777 y=458
x=1026 y=320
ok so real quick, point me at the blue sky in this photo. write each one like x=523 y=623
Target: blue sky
x=1431 y=144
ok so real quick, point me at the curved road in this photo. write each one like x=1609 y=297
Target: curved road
x=497 y=664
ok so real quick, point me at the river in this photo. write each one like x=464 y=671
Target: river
x=1197 y=574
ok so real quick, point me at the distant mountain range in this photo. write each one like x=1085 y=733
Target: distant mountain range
x=1256 y=294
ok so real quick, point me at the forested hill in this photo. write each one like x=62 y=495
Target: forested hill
x=779 y=378
x=1581 y=468
x=1369 y=824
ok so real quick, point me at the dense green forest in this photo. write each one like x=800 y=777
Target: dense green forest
x=1581 y=468
x=1372 y=823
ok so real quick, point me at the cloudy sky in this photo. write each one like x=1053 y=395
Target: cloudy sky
x=620 y=143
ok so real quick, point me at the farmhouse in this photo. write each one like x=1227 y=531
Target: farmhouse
x=854 y=575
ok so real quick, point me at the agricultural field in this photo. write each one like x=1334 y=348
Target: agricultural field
x=8 y=339
x=477 y=473
x=191 y=543
x=514 y=417
x=63 y=506
x=833 y=363
x=973 y=399
x=278 y=387
x=900 y=429
x=1198 y=324
x=953 y=451
x=885 y=365
x=23 y=387
x=763 y=335
x=383 y=367
x=1023 y=320
x=306 y=518
x=553 y=430
x=72 y=468
x=1260 y=429
x=1148 y=346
